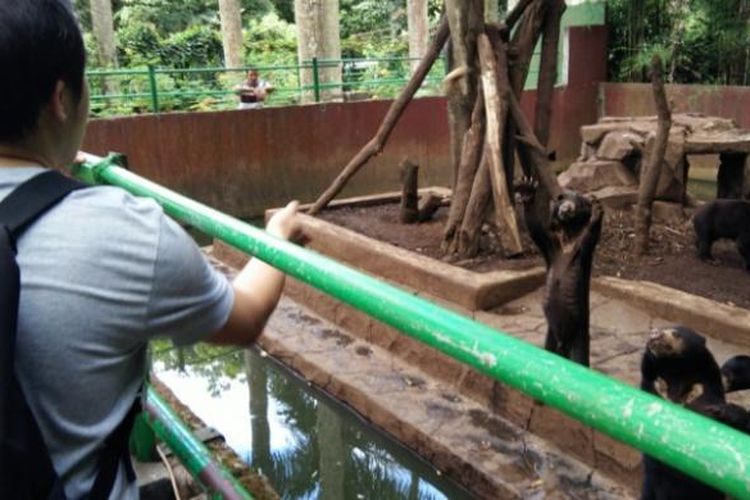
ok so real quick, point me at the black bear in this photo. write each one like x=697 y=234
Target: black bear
x=735 y=373
x=723 y=218
x=678 y=366
x=567 y=245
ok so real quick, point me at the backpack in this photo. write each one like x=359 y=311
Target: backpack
x=26 y=470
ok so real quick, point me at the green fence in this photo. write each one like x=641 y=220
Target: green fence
x=692 y=443
x=153 y=90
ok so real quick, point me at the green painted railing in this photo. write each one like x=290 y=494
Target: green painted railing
x=193 y=454
x=700 y=447
x=151 y=88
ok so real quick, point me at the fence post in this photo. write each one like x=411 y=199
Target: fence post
x=154 y=91
x=316 y=78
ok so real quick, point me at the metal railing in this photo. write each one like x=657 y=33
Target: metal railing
x=701 y=447
x=153 y=89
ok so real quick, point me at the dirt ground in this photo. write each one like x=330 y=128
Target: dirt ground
x=671 y=261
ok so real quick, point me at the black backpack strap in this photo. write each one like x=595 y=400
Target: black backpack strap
x=34 y=197
x=115 y=449
x=19 y=434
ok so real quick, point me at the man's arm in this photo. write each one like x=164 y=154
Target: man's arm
x=258 y=287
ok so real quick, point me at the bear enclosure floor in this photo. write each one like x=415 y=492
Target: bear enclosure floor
x=671 y=260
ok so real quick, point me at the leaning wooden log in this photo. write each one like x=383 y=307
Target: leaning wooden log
x=470 y=154
x=650 y=176
x=548 y=70
x=376 y=144
x=523 y=43
x=535 y=153
x=515 y=14
x=409 y=212
x=496 y=112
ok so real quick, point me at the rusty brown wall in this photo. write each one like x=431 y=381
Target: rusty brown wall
x=243 y=162
x=630 y=99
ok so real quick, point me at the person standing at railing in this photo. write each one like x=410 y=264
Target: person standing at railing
x=101 y=274
x=253 y=91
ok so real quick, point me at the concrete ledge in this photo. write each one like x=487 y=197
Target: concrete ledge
x=469 y=289
x=720 y=321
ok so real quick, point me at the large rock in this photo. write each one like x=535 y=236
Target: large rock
x=618 y=144
x=617 y=197
x=592 y=175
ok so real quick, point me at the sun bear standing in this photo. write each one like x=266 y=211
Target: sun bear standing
x=719 y=219
x=677 y=366
x=567 y=246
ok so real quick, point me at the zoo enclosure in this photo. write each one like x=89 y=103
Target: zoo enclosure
x=700 y=447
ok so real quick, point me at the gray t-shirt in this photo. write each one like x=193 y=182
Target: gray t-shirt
x=102 y=273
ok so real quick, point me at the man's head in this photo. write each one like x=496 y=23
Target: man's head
x=252 y=76
x=43 y=94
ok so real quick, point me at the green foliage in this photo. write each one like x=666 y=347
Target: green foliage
x=199 y=45
x=701 y=41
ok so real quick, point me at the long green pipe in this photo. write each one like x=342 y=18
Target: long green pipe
x=192 y=453
x=700 y=447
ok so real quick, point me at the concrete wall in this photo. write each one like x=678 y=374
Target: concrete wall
x=631 y=99
x=242 y=162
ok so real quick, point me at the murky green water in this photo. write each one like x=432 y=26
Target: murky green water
x=308 y=445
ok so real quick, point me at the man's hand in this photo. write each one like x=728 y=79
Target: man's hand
x=286 y=225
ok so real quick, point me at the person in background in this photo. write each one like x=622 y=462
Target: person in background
x=253 y=91
x=103 y=272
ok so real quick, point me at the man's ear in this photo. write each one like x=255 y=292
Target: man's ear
x=59 y=102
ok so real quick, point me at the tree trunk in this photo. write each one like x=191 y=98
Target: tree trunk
x=650 y=176
x=470 y=156
x=548 y=70
x=104 y=32
x=496 y=112
x=418 y=31
x=409 y=212
x=479 y=201
x=231 y=32
x=318 y=37
x=466 y=20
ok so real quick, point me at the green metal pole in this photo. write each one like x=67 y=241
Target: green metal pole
x=192 y=453
x=316 y=78
x=698 y=446
x=154 y=90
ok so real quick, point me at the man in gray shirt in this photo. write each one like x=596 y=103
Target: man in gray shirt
x=103 y=272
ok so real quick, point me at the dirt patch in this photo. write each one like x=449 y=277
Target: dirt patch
x=671 y=261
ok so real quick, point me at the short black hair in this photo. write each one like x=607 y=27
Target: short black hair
x=40 y=43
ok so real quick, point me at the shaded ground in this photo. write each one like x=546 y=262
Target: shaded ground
x=671 y=261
